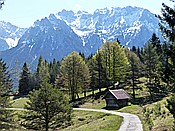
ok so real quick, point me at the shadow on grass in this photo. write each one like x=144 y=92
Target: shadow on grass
x=19 y=96
x=112 y=108
x=148 y=99
x=82 y=100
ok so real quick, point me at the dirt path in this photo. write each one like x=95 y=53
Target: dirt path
x=130 y=122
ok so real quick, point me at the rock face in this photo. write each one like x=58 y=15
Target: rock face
x=50 y=37
x=133 y=26
x=9 y=35
x=58 y=35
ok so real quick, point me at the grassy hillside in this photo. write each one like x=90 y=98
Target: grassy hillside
x=154 y=116
x=20 y=102
x=94 y=121
x=82 y=120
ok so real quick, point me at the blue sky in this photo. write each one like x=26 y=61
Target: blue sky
x=23 y=13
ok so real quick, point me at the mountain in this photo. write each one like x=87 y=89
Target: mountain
x=58 y=35
x=49 y=37
x=133 y=26
x=9 y=35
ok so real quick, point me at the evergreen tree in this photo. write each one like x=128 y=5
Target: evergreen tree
x=156 y=43
x=6 y=116
x=167 y=22
x=42 y=72
x=167 y=26
x=139 y=53
x=46 y=109
x=24 y=82
x=171 y=106
x=151 y=61
x=133 y=49
x=53 y=70
x=97 y=71
x=166 y=72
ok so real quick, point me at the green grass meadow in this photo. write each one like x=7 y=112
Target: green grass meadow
x=94 y=121
x=82 y=120
x=20 y=102
x=154 y=116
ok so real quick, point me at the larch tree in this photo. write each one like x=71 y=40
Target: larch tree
x=114 y=61
x=74 y=75
x=135 y=68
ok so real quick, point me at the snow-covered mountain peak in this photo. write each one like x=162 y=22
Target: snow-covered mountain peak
x=59 y=34
x=9 y=35
x=111 y=23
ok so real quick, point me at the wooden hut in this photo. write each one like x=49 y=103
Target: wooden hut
x=116 y=98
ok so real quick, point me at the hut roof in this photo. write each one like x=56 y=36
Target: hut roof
x=120 y=94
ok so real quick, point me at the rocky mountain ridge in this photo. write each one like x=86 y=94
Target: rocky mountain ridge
x=9 y=35
x=59 y=34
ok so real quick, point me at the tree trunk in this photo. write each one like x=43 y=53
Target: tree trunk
x=99 y=89
x=133 y=83
x=73 y=94
x=93 y=92
x=78 y=96
x=85 y=94
x=47 y=118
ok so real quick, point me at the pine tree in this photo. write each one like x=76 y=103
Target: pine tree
x=46 y=109
x=167 y=26
x=97 y=71
x=24 y=82
x=53 y=70
x=151 y=60
x=42 y=72
x=6 y=116
x=156 y=43
x=171 y=106
x=166 y=71
x=167 y=22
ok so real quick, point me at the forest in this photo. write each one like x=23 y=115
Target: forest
x=55 y=87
